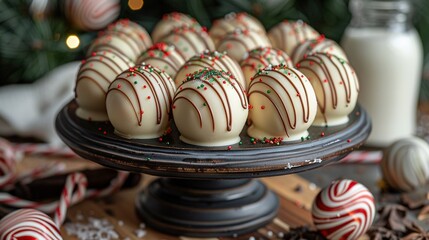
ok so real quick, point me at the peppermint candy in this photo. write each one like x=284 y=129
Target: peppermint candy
x=28 y=224
x=343 y=210
x=90 y=14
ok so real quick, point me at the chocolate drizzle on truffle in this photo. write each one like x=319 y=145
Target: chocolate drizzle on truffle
x=151 y=77
x=239 y=42
x=319 y=45
x=100 y=58
x=210 y=60
x=132 y=31
x=304 y=99
x=195 y=39
x=288 y=34
x=337 y=67
x=206 y=80
x=266 y=56
x=163 y=56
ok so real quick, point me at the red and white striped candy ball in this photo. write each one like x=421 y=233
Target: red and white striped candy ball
x=28 y=224
x=90 y=14
x=343 y=210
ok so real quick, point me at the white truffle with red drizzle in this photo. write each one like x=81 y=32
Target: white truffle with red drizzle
x=261 y=58
x=237 y=43
x=282 y=104
x=163 y=56
x=289 y=34
x=189 y=41
x=169 y=22
x=139 y=101
x=124 y=37
x=221 y=27
x=93 y=79
x=313 y=46
x=210 y=109
x=335 y=84
x=209 y=60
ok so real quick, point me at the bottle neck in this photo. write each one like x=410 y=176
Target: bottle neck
x=394 y=15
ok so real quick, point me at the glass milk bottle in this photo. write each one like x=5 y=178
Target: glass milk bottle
x=386 y=52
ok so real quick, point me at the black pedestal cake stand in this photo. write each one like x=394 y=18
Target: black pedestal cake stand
x=209 y=191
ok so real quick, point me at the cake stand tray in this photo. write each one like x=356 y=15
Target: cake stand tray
x=209 y=191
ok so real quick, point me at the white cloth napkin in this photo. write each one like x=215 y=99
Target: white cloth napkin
x=29 y=110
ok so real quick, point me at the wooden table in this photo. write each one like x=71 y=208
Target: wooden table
x=295 y=193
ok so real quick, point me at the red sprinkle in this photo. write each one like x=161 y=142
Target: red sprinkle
x=322 y=134
x=349 y=140
x=229 y=147
x=262 y=107
x=104 y=132
x=148 y=97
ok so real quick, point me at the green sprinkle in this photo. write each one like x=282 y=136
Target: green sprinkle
x=308 y=137
x=204 y=104
x=302 y=139
x=252 y=139
x=135 y=82
x=240 y=143
x=268 y=91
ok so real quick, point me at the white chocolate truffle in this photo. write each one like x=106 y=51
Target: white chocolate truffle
x=163 y=56
x=189 y=41
x=93 y=80
x=132 y=30
x=210 y=109
x=405 y=164
x=236 y=44
x=261 y=58
x=282 y=104
x=138 y=102
x=335 y=84
x=210 y=60
x=320 y=45
x=221 y=27
x=171 y=21
x=289 y=34
x=114 y=42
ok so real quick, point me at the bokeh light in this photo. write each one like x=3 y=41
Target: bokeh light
x=72 y=41
x=135 y=4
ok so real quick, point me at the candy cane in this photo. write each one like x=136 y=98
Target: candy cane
x=68 y=197
x=363 y=157
x=45 y=150
x=7 y=164
x=47 y=170
x=114 y=186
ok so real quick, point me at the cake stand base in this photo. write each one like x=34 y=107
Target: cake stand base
x=206 y=208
